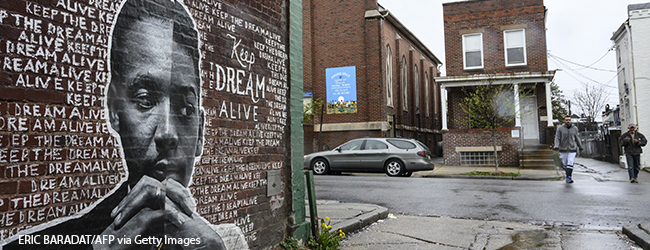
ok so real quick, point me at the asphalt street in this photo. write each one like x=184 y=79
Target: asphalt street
x=591 y=210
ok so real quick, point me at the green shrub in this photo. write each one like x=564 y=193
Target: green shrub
x=290 y=243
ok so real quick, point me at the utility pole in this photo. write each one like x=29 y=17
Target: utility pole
x=569 y=107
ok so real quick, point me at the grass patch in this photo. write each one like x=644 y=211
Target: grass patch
x=495 y=173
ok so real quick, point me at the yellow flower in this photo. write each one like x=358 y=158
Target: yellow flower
x=324 y=225
x=328 y=226
x=327 y=218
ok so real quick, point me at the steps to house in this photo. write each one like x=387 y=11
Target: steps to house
x=536 y=157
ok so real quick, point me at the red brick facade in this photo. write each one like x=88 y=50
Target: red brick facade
x=481 y=138
x=491 y=18
x=337 y=34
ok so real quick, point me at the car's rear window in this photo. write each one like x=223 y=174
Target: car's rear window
x=401 y=144
x=423 y=146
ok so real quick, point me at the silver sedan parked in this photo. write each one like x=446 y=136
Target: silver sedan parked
x=393 y=156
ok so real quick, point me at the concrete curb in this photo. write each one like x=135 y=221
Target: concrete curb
x=638 y=235
x=537 y=178
x=361 y=221
x=457 y=176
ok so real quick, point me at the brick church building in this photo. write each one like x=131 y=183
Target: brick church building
x=375 y=78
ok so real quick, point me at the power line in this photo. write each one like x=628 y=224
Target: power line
x=584 y=66
x=601 y=58
x=580 y=74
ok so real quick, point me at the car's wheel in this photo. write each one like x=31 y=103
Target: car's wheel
x=394 y=168
x=407 y=173
x=320 y=166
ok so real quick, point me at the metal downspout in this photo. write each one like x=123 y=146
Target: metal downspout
x=631 y=52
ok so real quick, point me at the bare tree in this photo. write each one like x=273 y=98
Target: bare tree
x=591 y=99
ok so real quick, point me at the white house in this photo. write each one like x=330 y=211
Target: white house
x=632 y=43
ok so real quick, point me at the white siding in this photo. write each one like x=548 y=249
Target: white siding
x=640 y=24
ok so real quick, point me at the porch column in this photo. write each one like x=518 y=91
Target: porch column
x=443 y=96
x=517 y=106
x=549 y=106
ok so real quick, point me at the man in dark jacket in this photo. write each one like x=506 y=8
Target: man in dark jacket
x=632 y=141
x=568 y=143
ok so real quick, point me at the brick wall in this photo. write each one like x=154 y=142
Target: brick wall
x=480 y=138
x=308 y=138
x=491 y=17
x=59 y=154
x=337 y=34
x=402 y=48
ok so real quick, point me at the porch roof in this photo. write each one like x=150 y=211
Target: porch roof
x=500 y=78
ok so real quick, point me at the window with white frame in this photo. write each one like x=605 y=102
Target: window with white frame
x=473 y=51
x=416 y=86
x=515 y=47
x=426 y=93
x=404 y=85
x=389 y=77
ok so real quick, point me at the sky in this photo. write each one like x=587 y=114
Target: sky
x=578 y=31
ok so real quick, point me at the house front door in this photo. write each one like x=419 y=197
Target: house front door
x=529 y=121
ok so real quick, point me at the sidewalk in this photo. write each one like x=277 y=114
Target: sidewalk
x=639 y=232
x=446 y=171
x=443 y=171
x=410 y=230
x=348 y=217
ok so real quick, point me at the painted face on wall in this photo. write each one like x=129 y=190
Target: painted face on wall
x=155 y=106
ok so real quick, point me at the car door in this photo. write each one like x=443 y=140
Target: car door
x=373 y=155
x=346 y=155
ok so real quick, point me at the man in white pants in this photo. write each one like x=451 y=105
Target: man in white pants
x=568 y=143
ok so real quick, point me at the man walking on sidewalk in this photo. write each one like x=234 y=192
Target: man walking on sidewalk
x=568 y=143
x=632 y=141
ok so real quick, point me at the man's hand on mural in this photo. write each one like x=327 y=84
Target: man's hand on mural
x=147 y=193
x=153 y=205
x=183 y=225
x=139 y=213
x=180 y=195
